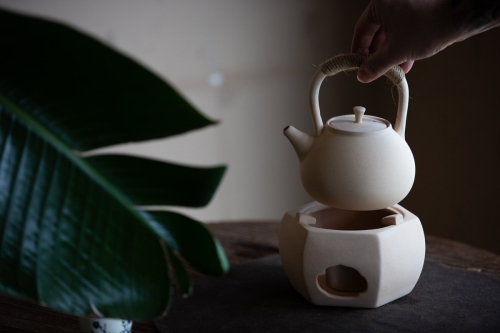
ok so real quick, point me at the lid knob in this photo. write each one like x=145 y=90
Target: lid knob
x=359 y=111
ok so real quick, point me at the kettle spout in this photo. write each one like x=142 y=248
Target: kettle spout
x=300 y=141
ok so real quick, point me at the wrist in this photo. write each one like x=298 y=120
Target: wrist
x=471 y=17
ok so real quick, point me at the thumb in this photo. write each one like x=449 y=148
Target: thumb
x=377 y=64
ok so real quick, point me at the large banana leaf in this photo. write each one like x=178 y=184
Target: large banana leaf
x=70 y=235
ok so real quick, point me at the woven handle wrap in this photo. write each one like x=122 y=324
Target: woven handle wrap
x=350 y=62
x=347 y=62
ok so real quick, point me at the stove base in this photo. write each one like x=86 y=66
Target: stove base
x=352 y=258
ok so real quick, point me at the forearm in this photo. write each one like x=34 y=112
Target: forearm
x=402 y=31
x=471 y=17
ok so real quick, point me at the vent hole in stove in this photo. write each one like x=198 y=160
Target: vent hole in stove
x=342 y=281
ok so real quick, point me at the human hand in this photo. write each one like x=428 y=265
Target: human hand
x=398 y=32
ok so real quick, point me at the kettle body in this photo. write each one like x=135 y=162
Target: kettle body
x=355 y=162
x=358 y=172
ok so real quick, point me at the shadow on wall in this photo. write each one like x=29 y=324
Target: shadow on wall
x=453 y=129
x=455 y=137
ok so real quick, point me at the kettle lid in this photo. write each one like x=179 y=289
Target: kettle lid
x=359 y=123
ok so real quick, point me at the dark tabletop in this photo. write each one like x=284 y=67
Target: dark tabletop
x=242 y=241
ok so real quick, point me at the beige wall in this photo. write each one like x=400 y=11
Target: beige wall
x=267 y=52
x=265 y=56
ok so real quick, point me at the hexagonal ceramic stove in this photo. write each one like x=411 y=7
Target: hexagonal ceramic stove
x=352 y=258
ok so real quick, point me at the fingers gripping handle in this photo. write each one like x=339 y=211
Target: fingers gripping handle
x=348 y=62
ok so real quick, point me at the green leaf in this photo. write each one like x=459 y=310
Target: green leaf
x=67 y=239
x=84 y=92
x=181 y=275
x=159 y=183
x=190 y=239
x=19 y=238
x=69 y=233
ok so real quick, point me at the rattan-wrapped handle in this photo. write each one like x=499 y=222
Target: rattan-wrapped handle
x=349 y=62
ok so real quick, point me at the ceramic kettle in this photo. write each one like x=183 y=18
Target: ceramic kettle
x=356 y=161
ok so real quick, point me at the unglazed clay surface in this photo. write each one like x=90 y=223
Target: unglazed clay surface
x=358 y=171
x=352 y=258
x=355 y=162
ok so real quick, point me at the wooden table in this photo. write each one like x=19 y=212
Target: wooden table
x=242 y=241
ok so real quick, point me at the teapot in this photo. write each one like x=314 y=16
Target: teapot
x=355 y=161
